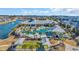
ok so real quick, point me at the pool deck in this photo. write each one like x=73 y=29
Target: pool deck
x=6 y=43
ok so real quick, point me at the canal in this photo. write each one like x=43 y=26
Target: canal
x=5 y=29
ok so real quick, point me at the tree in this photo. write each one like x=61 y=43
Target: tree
x=45 y=46
x=77 y=32
x=50 y=25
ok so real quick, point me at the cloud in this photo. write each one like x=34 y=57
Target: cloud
x=40 y=11
x=35 y=12
x=65 y=11
x=73 y=11
x=55 y=9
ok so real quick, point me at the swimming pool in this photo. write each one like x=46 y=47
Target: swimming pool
x=5 y=29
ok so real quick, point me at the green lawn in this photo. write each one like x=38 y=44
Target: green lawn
x=29 y=45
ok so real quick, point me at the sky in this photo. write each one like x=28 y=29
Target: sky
x=40 y=11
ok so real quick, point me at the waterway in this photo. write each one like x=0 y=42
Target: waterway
x=5 y=29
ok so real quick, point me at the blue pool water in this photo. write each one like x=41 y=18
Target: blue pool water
x=5 y=29
x=42 y=31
